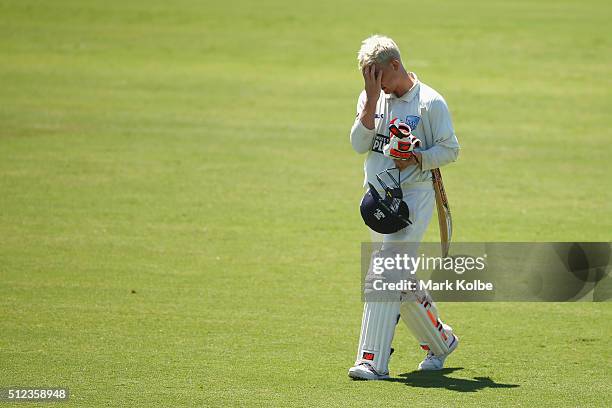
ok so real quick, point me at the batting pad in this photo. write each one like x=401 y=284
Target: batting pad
x=421 y=317
x=377 y=329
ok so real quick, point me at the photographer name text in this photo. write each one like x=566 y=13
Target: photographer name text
x=412 y=285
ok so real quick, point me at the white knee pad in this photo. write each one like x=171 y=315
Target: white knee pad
x=377 y=329
x=421 y=317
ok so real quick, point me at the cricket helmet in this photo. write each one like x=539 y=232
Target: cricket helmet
x=387 y=214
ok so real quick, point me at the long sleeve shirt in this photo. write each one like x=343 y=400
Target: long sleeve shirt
x=426 y=112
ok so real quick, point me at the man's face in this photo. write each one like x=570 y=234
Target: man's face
x=390 y=76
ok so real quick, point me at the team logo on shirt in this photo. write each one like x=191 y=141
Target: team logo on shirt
x=412 y=121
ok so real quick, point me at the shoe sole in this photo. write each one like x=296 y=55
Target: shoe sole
x=355 y=375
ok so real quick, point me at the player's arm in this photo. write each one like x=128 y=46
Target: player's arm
x=363 y=132
x=446 y=146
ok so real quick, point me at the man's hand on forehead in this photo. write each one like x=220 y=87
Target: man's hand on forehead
x=372 y=82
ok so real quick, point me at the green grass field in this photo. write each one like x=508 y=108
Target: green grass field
x=178 y=198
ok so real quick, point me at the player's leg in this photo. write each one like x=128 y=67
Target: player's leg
x=418 y=311
x=377 y=329
x=381 y=313
x=421 y=317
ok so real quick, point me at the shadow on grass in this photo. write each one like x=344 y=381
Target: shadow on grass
x=438 y=379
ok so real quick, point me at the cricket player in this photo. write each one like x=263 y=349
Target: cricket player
x=391 y=93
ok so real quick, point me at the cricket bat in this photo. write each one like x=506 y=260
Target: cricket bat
x=444 y=215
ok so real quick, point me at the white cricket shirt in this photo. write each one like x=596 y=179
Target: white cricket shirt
x=426 y=112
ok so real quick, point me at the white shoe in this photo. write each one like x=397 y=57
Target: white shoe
x=433 y=362
x=364 y=371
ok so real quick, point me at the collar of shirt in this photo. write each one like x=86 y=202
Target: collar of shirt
x=412 y=92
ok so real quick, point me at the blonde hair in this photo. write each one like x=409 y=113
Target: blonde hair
x=377 y=48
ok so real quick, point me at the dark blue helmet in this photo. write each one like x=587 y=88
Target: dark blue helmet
x=385 y=215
